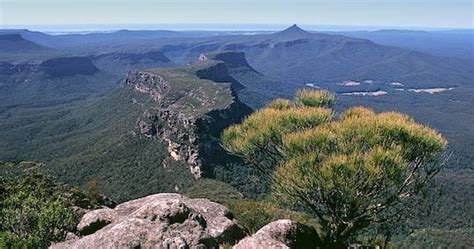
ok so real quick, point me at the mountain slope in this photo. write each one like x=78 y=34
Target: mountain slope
x=157 y=133
x=297 y=57
x=256 y=88
x=452 y=43
x=16 y=43
x=51 y=81
x=122 y=62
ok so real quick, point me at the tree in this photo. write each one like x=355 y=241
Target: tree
x=350 y=171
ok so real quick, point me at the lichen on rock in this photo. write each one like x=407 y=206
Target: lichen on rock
x=157 y=221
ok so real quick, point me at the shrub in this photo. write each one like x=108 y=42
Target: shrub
x=35 y=210
x=351 y=172
x=315 y=98
x=254 y=214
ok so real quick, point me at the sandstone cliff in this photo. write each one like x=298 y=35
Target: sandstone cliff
x=193 y=105
x=55 y=67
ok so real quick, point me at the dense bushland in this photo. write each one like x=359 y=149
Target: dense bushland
x=36 y=210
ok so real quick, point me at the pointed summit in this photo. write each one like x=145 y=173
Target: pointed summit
x=293 y=32
x=294 y=29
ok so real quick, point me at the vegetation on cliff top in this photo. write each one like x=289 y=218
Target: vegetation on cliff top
x=191 y=94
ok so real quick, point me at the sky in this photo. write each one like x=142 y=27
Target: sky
x=380 y=13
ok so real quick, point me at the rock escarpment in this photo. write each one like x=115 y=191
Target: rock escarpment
x=157 y=221
x=55 y=67
x=122 y=62
x=193 y=105
x=233 y=60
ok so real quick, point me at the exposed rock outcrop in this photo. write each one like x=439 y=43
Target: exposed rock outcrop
x=148 y=83
x=157 y=221
x=193 y=105
x=281 y=234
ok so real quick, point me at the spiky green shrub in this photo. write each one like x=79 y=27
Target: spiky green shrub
x=280 y=104
x=254 y=214
x=258 y=136
x=348 y=172
x=319 y=98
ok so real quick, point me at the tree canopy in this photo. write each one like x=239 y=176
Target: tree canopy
x=349 y=170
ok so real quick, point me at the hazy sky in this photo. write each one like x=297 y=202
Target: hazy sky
x=401 y=13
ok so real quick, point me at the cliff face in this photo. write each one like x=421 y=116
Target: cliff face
x=234 y=61
x=53 y=68
x=148 y=83
x=193 y=106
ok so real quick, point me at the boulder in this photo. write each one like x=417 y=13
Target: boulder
x=281 y=234
x=157 y=221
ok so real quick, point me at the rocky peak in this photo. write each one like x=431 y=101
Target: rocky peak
x=293 y=30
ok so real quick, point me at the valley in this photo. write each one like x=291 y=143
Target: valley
x=141 y=112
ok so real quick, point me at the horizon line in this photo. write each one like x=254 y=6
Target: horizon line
x=214 y=27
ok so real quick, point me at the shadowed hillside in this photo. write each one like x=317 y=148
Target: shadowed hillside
x=16 y=43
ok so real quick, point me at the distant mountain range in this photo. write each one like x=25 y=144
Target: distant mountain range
x=16 y=43
x=295 y=56
x=448 y=43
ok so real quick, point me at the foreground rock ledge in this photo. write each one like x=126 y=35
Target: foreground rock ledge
x=157 y=221
x=282 y=234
